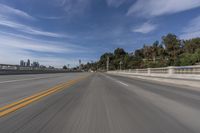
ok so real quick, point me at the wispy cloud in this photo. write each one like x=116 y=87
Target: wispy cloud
x=8 y=19
x=150 y=8
x=145 y=28
x=192 y=30
x=30 y=29
x=51 y=17
x=25 y=44
x=11 y=12
x=29 y=44
x=13 y=48
x=115 y=3
x=74 y=7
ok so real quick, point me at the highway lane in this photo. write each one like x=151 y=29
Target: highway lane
x=110 y=104
x=16 y=87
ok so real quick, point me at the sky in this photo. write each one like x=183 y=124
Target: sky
x=60 y=32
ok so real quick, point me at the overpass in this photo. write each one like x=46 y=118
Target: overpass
x=96 y=103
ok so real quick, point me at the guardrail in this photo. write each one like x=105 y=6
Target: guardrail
x=193 y=70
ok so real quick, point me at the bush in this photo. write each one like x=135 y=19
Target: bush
x=197 y=55
x=187 y=59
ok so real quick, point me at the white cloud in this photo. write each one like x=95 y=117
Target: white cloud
x=115 y=3
x=29 y=29
x=25 y=44
x=9 y=11
x=14 y=48
x=51 y=17
x=149 y=8
x=8 y=17
x=145 y=28
x=192 y=30
x=72 y=7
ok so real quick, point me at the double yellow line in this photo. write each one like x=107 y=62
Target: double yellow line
x=5 y=110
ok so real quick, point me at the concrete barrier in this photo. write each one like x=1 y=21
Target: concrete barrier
x=184 y=75
x=183 y=72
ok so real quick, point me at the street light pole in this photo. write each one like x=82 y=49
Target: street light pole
x=120 y=63
x=107 y=64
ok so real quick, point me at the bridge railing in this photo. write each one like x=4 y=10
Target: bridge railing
x=16 y=69
x=187 y=70
x=193 y=70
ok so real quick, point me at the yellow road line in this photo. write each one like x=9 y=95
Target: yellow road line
x=26 y=101
x=35 y=95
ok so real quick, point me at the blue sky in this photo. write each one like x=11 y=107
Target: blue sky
x=58 y=32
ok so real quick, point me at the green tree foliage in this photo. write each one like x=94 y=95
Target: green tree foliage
x=173 y=47
x=65 y=67
x=171 y=51
x=190 y=58
x=191 y=45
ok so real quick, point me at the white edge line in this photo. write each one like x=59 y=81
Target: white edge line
x=117 y=81
x=122 y=83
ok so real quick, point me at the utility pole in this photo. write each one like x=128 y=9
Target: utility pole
x=107 y=64
x=120 y=63
x=80 y=65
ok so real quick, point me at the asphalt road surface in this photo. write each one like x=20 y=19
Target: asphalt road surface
x=99 y=103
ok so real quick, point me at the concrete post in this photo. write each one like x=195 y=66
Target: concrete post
x=137 y=71
x=149 y=71
x=171 y=70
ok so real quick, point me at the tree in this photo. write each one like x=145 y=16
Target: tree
x=172 y=45
x=147 y=52
x=65 y=67
x=139 y=53
x=155 y=50
x=172 y=51
x=191 y=45
x=119 y=52
x=103 y=60
x=187 y=59
x=119 y=55
x=197 y=55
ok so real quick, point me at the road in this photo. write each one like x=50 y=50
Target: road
x=99 y=103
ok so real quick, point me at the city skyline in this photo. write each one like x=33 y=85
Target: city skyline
x=29 y=64
x=60 y=32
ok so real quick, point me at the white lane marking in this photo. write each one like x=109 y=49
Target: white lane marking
x=117 y=81
x=122 y=83
x=10 y=81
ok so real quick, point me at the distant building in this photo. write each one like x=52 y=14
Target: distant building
x=22 y=63
x=35 y=64
x=42 y=66
x=28 y=64
x=51 y=67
